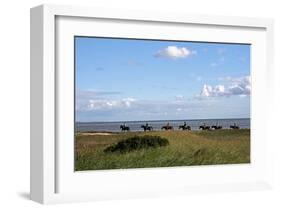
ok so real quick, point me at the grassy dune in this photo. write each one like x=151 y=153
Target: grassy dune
x=186 y=148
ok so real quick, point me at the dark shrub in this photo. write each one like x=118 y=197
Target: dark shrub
x=137 y=143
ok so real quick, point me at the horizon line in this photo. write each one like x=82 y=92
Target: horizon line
x=120 y=121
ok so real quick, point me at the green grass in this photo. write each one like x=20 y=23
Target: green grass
x=184 y=149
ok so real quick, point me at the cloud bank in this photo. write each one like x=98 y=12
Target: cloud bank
x=114 y=106
x=174 y=52
x=96 y=105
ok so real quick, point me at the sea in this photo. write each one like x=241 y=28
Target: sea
x=157 y=124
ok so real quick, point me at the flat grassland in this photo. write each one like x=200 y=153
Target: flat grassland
x=185 y=148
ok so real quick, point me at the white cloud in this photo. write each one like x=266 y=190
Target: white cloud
x=174 y=52
x=213 y=91
x=241 y=86
x=104 y=104
x=236 y=86
x=84 y=96
x=87 y=94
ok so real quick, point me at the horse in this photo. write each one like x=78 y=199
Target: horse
x=167 y=127
x=147 y=128
x=204 y=127
x=234 y=126
x=216 y=127
x=185 y=127
x=124 y=128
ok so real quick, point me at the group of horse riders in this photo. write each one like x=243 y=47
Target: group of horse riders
x=147 y=127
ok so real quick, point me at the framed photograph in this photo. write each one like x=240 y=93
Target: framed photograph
x=133 y=104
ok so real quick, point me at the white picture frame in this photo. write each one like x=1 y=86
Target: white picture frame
x=53 y=181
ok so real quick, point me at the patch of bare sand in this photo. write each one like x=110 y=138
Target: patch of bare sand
x=96 y=134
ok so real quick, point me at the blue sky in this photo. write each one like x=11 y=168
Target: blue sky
x=126 y=79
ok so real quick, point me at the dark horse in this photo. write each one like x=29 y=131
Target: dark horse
x=234 y=126
x=147 y=128
x=124 y=128
x=204 y=127
x=185 y=127
x=167 y=127
x=216 y=127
